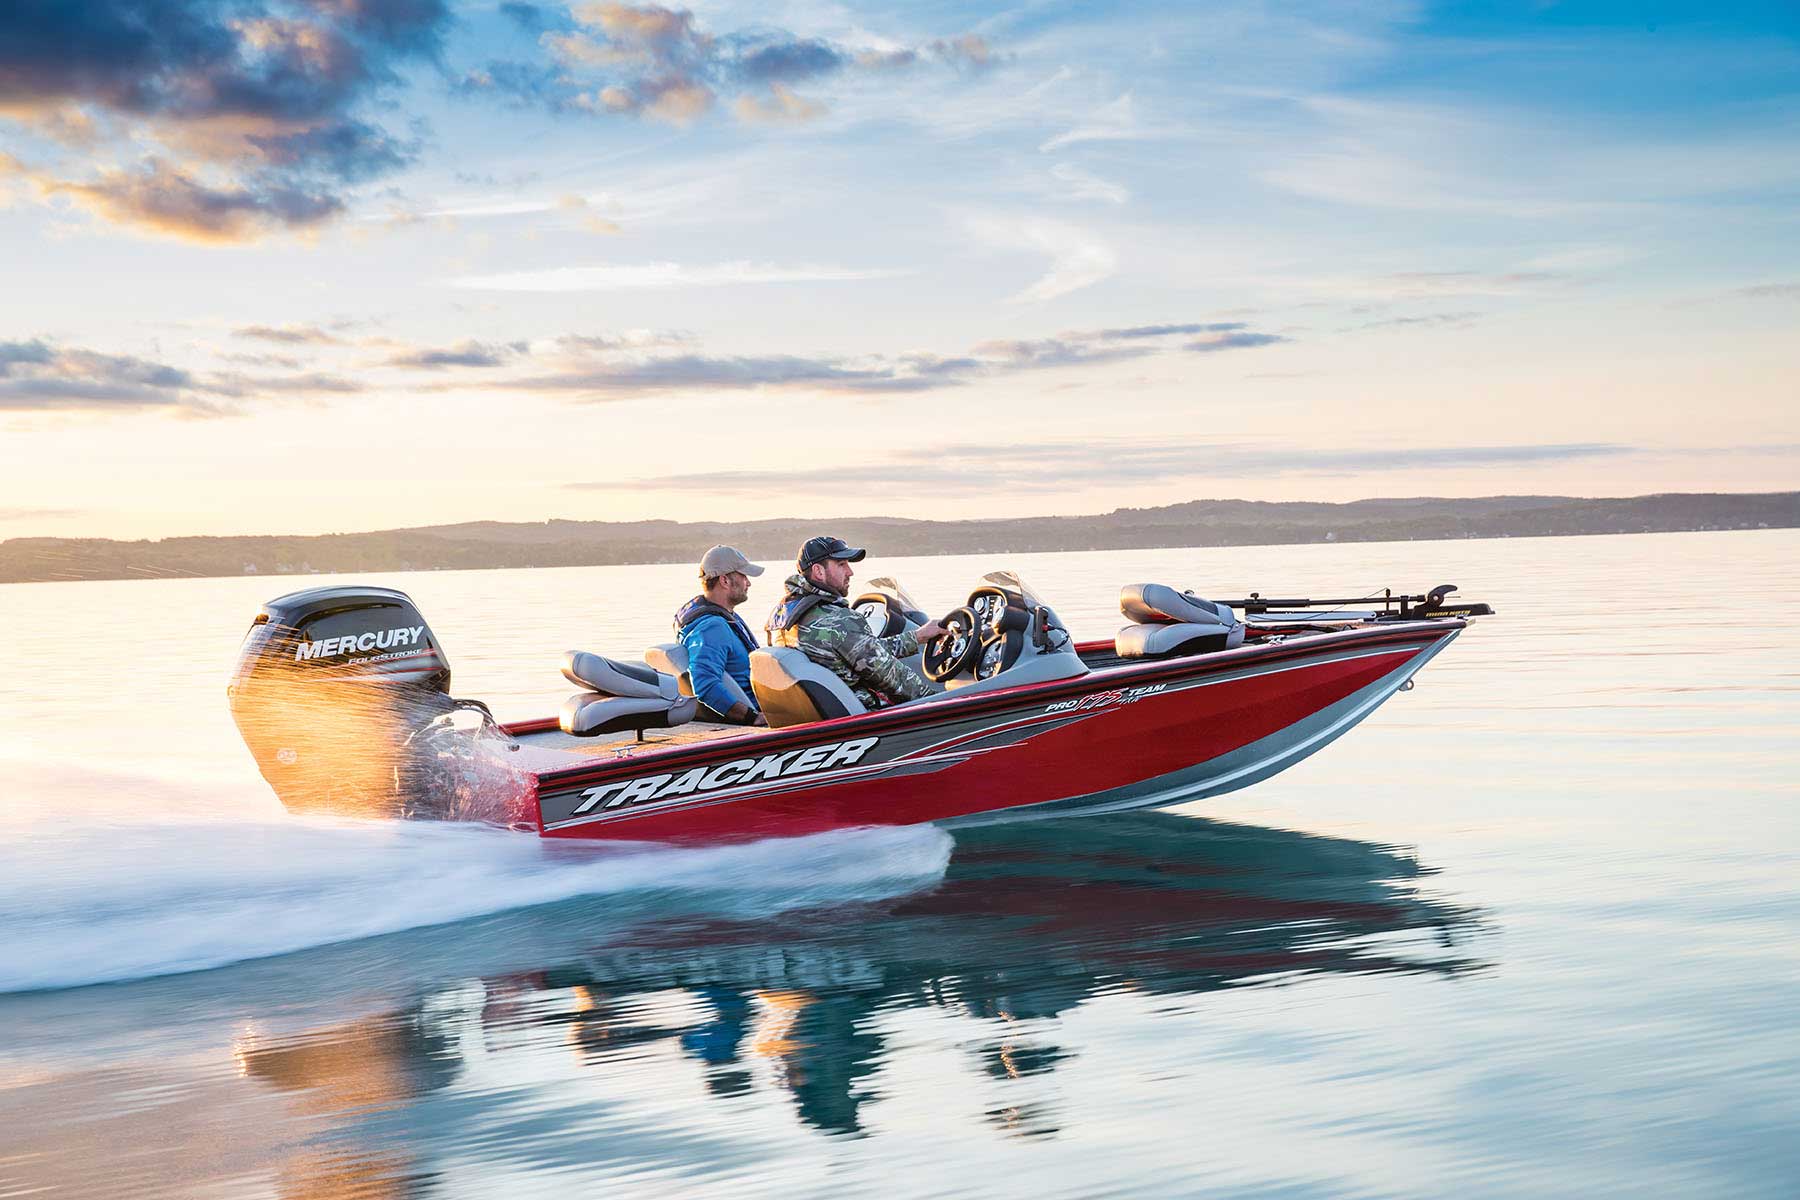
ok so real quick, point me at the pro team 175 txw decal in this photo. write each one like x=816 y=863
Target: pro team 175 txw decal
x=736 y=773
x=1104 y=699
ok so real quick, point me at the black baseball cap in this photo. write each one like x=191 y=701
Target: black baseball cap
x=821 y=548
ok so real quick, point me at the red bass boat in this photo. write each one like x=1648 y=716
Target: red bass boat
x=342 y=695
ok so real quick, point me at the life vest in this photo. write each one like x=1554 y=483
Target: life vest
x=787 y=614
x=700 y=607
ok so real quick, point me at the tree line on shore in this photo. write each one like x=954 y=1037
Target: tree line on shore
x=559 y=543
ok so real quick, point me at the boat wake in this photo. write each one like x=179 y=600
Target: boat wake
x=122 y=902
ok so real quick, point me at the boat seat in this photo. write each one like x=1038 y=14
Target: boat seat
x=671 y=658
x=621 y=695
x=792 y=689
x=1171 y=623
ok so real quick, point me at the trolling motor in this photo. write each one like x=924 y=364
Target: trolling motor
x=342 y=695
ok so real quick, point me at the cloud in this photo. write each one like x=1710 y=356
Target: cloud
x=282 y=361
x=41 y=376
x=167 y=200
x=1134 y=332
x=790 y=61
x=672 y=98
x=630 y=340
x=289 y=335
x=1233 y=341
x=1077 y=258
x=264 y=109
x=1768 y=291
x=780 y=106
x=308 y=384
x=660 y=275
x=1116 y=121
x=1050 y=468
x=695 y=372
x=1085 y=186
x=524 y=84
x=612 y=59
x=464 y=354
x=591 y=221
x=1066 y=351
x=600 y=369
x=1443 y=320
x=38 y=376
x=970 y=52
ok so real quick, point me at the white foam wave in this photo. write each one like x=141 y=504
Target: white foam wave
x=84 y=906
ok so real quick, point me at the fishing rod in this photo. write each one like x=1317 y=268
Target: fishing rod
x=1431 y=604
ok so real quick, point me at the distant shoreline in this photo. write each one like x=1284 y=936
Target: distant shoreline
x=491 y=545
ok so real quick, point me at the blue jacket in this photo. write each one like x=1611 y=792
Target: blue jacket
x=718 y=648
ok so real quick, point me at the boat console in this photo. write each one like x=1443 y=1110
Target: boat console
x=1003 y=637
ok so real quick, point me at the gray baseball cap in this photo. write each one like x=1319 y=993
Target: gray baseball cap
x=723 y=560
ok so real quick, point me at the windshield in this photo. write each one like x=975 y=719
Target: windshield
x=890 y=585
x=1012 y=581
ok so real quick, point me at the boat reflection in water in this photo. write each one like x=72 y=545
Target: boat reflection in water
x=1029 y=923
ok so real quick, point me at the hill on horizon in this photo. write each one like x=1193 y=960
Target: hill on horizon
x=559 y=542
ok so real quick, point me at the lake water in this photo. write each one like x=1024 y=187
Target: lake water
x=1532 y=930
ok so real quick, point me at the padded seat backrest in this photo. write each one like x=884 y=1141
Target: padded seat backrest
x=671 y=658
x=617 y=678
x=792 y=689
x=1159 y=604
x=1171 y=623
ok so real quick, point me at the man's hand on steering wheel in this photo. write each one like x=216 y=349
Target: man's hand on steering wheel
x=927 y=631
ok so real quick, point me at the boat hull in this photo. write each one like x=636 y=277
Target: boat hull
x=1139 y=735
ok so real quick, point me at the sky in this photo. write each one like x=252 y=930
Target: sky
x=303 y=266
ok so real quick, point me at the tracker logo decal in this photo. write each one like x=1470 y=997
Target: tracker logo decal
x=739 y=771
x=355 y=643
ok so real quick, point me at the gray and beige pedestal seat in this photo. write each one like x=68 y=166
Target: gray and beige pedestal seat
x=1168 y=623
x=792 y=689
x=620 y=695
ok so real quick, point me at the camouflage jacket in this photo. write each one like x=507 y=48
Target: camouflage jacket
x=829 y=633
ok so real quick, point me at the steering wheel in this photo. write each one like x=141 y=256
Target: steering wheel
x=954 y=649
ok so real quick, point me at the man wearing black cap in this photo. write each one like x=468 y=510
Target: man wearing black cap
x=814 y=617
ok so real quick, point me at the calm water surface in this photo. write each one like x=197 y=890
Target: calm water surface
x=1532 y=930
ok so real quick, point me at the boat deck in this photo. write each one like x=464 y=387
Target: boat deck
x=624 y=743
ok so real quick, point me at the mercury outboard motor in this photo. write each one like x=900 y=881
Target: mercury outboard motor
x=342 y=695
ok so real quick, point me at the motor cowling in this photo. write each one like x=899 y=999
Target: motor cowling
x=332 y=689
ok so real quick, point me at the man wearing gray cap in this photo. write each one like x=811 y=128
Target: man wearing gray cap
x=814 y=616
x=717 y=640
